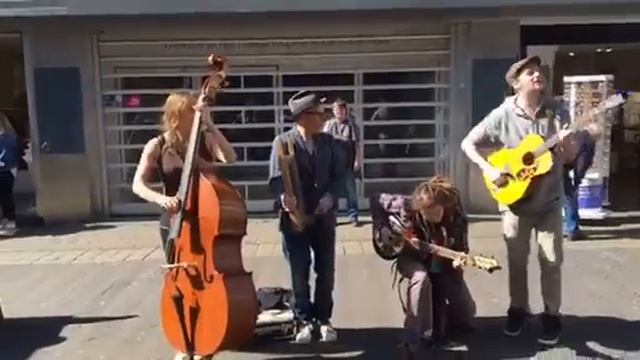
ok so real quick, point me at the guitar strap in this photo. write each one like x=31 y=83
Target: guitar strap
x=551 y=114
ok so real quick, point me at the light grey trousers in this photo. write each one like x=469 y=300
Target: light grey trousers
x=548 y=235
x=419 y=301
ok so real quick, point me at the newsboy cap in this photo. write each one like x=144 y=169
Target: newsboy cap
x=516 y=68
x=304 y=100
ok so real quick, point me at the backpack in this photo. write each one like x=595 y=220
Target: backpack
x=276 y=319
x=274 y=298
x=389 y=222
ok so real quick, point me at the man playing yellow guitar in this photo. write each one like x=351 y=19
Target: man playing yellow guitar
x=529 y=111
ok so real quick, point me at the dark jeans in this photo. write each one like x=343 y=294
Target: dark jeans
x=351 y=194
x=453 y=305
x=6 y=195
x=571 y=209
x=320 y=238
x=571 y=186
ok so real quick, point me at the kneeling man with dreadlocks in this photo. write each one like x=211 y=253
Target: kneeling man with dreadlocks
x=438 y=304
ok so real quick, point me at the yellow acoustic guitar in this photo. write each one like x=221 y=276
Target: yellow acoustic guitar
x=532 y=158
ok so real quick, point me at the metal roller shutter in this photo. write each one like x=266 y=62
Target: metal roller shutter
x=397 y=88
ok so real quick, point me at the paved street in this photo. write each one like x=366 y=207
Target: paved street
x=91 y=292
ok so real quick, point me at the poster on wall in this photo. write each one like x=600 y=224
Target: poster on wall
x=581 y=94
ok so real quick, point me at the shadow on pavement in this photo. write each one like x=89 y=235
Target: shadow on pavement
x=365 y=343
x=593 y=337
x=21 y=337
x=611 y=233
x=28 y=230
x=613 y=335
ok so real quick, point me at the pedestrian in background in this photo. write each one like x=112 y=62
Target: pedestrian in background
x=8 y=172
x=347 y=134
x=584 y=159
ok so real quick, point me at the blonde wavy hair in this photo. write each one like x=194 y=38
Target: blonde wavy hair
x=174 y=108
x=437 y=190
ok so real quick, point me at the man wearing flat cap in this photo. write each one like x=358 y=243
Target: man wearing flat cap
x=529 y=111
x=320 y=174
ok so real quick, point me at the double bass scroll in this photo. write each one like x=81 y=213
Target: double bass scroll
x=291 y=184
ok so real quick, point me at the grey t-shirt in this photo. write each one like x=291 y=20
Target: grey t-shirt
x=346 y=134
x=508 y=124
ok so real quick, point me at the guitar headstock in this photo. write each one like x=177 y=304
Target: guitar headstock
x=614 y=100
x=490 y=264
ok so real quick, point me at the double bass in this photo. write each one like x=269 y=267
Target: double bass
x=208 y=301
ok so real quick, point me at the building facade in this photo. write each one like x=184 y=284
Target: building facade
x=417 y=75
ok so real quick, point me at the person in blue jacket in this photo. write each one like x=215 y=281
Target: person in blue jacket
x=583 y=161
x=8 y=171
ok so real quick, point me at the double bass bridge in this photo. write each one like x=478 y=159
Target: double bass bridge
x=182 y=265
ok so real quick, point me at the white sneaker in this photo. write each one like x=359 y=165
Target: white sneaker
x=305 y=334
x=8 y=228
x=183 y=356
x=328 y=333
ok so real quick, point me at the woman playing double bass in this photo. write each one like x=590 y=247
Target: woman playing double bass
x=163 y=158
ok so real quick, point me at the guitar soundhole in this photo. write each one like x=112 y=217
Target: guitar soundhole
x=528 y=159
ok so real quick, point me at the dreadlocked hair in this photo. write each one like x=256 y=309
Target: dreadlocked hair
x=437 y=190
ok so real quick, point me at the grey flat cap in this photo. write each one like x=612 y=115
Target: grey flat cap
x=515 y=69
x=304 y=100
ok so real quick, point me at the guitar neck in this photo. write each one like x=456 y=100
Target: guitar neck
x=442 y=251
x=577 y=124
x=436 y=249
x=548 y=145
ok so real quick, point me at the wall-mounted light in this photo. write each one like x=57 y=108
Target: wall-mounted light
x=609 y=50
x=572 y=54
x=599 y=50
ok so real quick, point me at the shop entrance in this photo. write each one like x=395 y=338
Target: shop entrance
x=13 y=104
x=621 y=62
x=602 y=49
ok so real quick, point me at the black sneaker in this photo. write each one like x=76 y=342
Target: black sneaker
x=516 y=318
x=551 y=328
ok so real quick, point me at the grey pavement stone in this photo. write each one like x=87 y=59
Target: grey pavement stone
x=156 y=254
x=87 y=256
x=133 y=241
x=138 y=254
x=110 y=310
x=352 y=248
x=266 y=250
x=249 y=250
